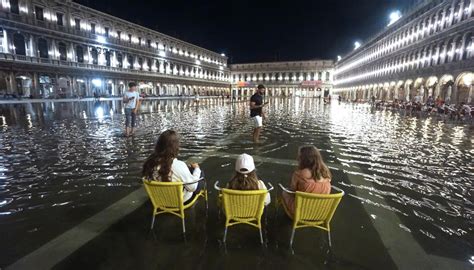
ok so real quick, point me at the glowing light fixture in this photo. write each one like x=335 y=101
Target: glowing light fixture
x=356 y=45
x=97 y=82
x=101 y=39
x=394 y=16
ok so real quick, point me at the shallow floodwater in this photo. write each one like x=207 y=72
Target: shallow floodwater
x=67 y=161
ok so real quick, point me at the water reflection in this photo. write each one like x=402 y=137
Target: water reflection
x=58 y=156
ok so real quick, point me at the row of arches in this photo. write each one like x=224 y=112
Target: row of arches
x=290 y=76
x=73 y=17
x=452 y=89
x=53 y=85
x=45 y=48
x=451 y=49
x=423 y=26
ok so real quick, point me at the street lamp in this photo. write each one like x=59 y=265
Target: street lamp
x=339 y=58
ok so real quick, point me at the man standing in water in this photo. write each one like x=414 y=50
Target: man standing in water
x=132 y=101
x=256 y=111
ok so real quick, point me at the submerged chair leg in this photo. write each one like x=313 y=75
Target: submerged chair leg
x=184 y=227
x=329 y=238
x=261 y=237
x=225 y=234
x=292 y=237
x=152 y=221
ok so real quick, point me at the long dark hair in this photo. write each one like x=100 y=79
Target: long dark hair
x=242 y=181
x=166 y=150
x=310 y=158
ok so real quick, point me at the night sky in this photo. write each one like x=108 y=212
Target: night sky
x=254 y=31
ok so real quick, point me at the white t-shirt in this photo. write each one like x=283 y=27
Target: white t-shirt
x=180 y=173
x=261 y=185
x=132 y=103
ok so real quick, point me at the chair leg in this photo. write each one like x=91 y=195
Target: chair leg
x=292 y=237
x=152 y=221
x=184 y=227
x=261 y=237
x=225 y=234
x=329 y=238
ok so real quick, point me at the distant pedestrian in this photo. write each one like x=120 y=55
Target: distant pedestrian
x=131 y=99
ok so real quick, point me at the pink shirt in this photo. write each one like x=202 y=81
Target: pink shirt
x=302 y=181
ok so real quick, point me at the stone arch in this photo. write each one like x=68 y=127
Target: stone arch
x=445 y=86
x=463 y=88
x=23 y=84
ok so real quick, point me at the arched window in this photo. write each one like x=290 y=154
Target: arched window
x=130 y=61
x=140 y=63
x=43 y=48
x=79 y=54
x=19 y=43
x=119 y=60
x=107 y=58
x=95 y=56
x=62 y=51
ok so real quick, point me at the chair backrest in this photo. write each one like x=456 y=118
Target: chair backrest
x=243 y=204
x=165 y=195
x=312 y=207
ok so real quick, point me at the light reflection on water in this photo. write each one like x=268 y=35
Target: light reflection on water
x=55 y=156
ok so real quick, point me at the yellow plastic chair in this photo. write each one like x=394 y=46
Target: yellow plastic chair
x=167 y=197
x=243 y=207
x=313 y=210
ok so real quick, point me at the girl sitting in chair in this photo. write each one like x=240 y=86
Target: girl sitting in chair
x=311 y=176
x=163 y=165
x=245 y=177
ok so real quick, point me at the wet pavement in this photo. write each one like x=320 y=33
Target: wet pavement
x=408 y=184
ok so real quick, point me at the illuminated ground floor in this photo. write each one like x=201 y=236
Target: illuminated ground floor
x=451 y=87
x=65 y=84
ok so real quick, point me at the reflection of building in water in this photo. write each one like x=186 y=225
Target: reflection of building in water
x=295 y=78
x=60 y=48
x=429 y=51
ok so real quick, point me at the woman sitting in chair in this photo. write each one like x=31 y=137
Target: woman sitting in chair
x=311 y=176
x=162 y=165
x=245 y=177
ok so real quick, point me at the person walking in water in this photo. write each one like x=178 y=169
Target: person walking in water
x=256 y=111
x=131 y=98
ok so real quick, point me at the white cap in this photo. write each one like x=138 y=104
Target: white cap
x=244 y=164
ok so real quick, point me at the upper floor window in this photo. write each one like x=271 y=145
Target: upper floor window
x=59 y=17
x=106 y=31
x=139 y=41
x=93 y=28
x=119 y=34
x=39 y=13
x=130 y=38
x=77 y=24
x=14 y=8
x=148 y=42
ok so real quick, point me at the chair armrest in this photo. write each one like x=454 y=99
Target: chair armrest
x=338 y=189
x=270 y=186
x=216 y=186
x=190 y=183
x=285 y=189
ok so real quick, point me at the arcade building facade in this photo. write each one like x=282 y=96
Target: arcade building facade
x=429 y=51
x=294 y=78
x=53 y=48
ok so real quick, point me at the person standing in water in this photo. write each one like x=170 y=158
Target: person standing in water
x=256 y=111
x=131 y=98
